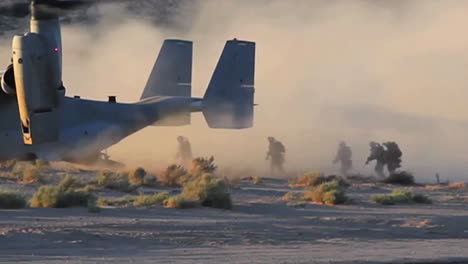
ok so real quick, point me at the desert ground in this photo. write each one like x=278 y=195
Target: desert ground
x=260 y=228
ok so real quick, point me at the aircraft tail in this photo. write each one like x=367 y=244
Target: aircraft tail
x=229 y=99
x=172 y=72
x=172 y=76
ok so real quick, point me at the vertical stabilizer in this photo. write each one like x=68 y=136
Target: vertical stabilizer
x=229 y=99
x=172 y=72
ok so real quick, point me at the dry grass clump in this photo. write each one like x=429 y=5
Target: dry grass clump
x=315 y=179
x=126 y=200
x=31 y=175
x=115 y=181
x=458 y=185
x=292 y=196
x=400 y=178
x=210 y=190
x=53 y=196
x=11 y=200
x=137 y=176
x=41 y=163
x=8 y=164
x=401 y=196
x=70 y=182
x=151 y=200
x=257 y=180
x=181 y=202
x=203 y=165
x=174 y=175
x=150 y=181
x=62 y=196
x=330 y=193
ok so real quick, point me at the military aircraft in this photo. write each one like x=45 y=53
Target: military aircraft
x=37 y=119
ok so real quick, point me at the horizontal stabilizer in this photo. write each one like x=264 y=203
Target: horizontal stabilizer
x=229 y=99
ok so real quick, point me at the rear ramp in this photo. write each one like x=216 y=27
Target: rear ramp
x=229 y=100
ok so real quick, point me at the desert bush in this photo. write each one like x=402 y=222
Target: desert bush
x=329 y=193
x=458 y=185
x=53 y=196
x=400 y=196
x=31 y=175
x=151 y=200
x=70 y=182
x=137 y=176
x=317 y=178
x=41 y=163
x=401 y=178
x=122 y=201
x=210 y=190
x=181 y=202
x=8 y=164
x=203 y=165
x=11 y=200
x=150 y=180
x=296 y=204
x=292 y=196
x=257 y=180
x=92 y=205
x=174 y=175
x=115 y=181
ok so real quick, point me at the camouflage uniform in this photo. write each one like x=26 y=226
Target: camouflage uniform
x=344 y=155
x=392 y=156
x=184 y=153
x=377 y=154
x=275 y=154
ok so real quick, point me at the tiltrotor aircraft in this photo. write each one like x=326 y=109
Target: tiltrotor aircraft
x=37 y=120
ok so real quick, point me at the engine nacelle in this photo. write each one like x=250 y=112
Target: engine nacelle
x=8 y=81
x=37 y=82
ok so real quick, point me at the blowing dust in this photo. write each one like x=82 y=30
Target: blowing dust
x=326 y=71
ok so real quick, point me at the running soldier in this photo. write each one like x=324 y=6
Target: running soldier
x=275 y=154
x=184 y=153
x=344 y=155
x=377 y=154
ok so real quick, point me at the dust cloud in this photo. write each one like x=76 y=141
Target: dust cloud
x=326 y=71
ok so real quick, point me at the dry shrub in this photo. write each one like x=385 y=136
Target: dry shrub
x=174 y=175
x=257 y=180
x=329 y=193
x=31 y=174
x=210 y=190
x=92 y=206
x=11 y=200
x=122 y=201
x=151 y=200
x=292 y=196
x=70 y=182
x=315 y=179
x=54 y=196
x=400 y=178
x=150 y=181
x=137 y=176
x=203 y=165
x=41 y=163
x=181 y=202
x=8 y=164
x=400 y=196
x=115 y=181
x=458 y=185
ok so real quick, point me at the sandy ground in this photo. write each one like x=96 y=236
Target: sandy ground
x=259 y=229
